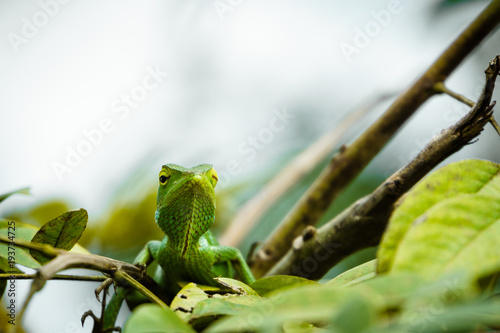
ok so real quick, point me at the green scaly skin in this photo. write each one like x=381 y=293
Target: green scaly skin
x=185 y=211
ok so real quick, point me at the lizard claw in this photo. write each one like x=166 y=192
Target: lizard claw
x=89 y=313
x=142 y=267
x=104 y=286
x=98 y=322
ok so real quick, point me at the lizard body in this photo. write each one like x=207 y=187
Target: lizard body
x=185 y=211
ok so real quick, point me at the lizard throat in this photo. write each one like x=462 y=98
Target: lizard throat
x=185 y=246
x=186 y=214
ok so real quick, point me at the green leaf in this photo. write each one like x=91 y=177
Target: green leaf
x=297 y=326
x=355 y=315
x=355 y=275
x=448 y=290
x=7 y=267
x=25 y=191
x=439 y=306
x=148 y=318
x=452 y=181
x=18 y=230
x=464 y=317
x=390 y=291
x=63 y=232
x=268 y=285
x=305 y=304
x=374 y=305
x=232 y=305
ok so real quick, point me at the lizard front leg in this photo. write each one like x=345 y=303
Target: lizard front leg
x=221 y=253
x=148 y=253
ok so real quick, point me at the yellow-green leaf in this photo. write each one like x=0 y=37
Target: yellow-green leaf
x=186 y=299
x=454 y=180
x=268 y=285
x=15 y=230
x=458 y=233
x=355 y=275
x=25 y=191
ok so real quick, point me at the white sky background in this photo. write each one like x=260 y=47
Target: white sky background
x=225 y=79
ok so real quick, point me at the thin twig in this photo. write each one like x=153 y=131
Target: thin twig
x=495 y=125
x=440 y=87
x=348 y=163
x=91 y=278
x=362 y=224
x=46 y=249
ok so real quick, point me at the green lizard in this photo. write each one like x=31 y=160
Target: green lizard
x=185 y=210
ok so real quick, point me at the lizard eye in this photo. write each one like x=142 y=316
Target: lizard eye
x=213 y=177
x=164 y=178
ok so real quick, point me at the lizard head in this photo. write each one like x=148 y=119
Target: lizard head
x=185 y=205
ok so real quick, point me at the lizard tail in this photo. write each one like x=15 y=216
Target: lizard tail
x=112 y=309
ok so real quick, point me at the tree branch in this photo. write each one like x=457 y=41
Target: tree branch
x=301 y=165
x=66 y=260
x=348 y=163
x=362 y=224
x=122 y=272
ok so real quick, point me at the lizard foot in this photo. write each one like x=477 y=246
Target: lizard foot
x=103 y=287
x=98 y=323
x=143 y=269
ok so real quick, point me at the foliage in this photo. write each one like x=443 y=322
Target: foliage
x=433 y=285
x=434 y=271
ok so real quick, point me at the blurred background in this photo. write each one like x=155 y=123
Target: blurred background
x=96 y=96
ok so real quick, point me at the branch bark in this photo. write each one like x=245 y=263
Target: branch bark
x=348 y=163
x=362 y=224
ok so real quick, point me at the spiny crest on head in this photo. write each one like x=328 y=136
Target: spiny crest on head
x=198 y=168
